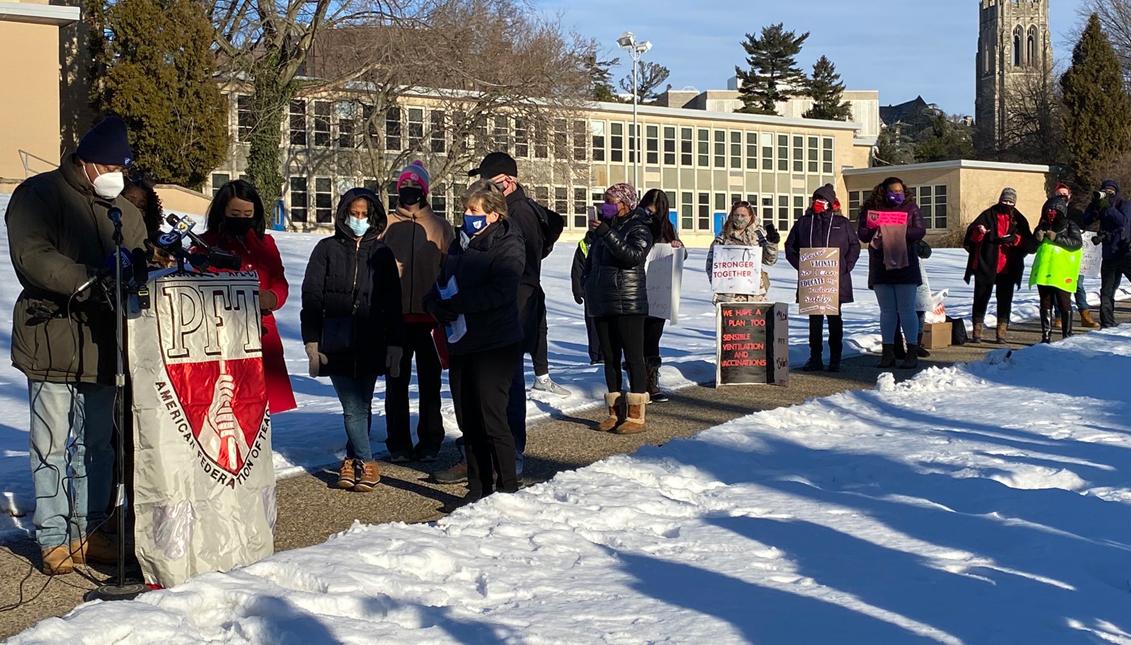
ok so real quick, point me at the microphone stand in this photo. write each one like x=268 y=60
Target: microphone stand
x=121 y=590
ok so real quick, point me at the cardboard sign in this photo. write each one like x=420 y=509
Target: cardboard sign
x=818 y=282
x=888 y=218
x=752 y=343
x=204 y=484
x=664 y=269
x=1093 y=257
x=737 y=270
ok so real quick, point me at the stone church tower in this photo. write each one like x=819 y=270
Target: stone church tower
x=1014 y=53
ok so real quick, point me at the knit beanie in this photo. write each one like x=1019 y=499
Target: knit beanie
x=416 y=174
x=827 y=193
x=1008 y=195
x=1109 y=184
x=623 y=193
x=106 y=143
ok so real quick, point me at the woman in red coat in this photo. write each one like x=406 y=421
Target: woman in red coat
x=237 y=223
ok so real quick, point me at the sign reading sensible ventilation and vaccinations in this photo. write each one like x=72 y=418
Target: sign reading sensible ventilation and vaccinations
x=737 y=270
x=818 y=282
x=752 y=343
x=204 y=484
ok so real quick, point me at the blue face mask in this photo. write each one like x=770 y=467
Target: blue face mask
x=358 y=226
x=474 y=224
x=609 y=211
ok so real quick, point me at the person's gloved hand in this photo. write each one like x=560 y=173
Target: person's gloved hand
x=1050 y=236
x=579 y=299
x=1040 y=235
x=316 y=359
x=393 y=355
x=268 y=301
x=443 y=312
x=772 y=234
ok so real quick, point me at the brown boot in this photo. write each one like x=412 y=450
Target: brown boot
x=100 y=548
x=57 y=560
x=1002 y=333
x=615 y=403
x=368 y=478
x=634 y=419
x=347 y=474
x=977 y=336
x=1087 y=320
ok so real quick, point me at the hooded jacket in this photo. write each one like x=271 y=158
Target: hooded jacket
x=916 y=230
x=984 y=250
x=1114 y=218
x=59 y=236
x=614 y=276
x=832 y=229
x=487 y=269
x=1056 y=217
x=352 y=283
x=418 y=241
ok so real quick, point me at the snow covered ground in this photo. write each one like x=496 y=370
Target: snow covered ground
x=986 y=503
x=312 y=435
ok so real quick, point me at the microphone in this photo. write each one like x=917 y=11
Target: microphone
x=115 y=215
x=140 y=260
x=183 y=228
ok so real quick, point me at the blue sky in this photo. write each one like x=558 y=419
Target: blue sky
x=899 y=47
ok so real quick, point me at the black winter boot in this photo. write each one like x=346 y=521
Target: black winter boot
x=899 y=347
x=1046 y=325
x=814 y=364
x=887 y=359
x=656 y=395
x=1066 y=325
x=912 y=360
x=834 y=362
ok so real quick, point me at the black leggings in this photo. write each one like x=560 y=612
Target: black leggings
x=653 y=330
x=623 y=337
x=983 y=289
x=836 y=337
x=1053 y=298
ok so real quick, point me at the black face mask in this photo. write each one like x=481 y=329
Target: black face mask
x=238 y=226
x=410 y=196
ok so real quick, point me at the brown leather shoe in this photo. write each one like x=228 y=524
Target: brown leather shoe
x=634 y=419
x=1002 y=333
x=1087 y=320
x=347 y=474
x=614 y=401
x=976 y=337
x=368 y=477
x=57 y=560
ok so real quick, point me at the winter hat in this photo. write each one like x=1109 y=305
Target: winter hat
x=495 y=164
x=1055 y=209
x=1061 y=186
x=1008 y=195
x=416 y=174
x=623 y=193
x=827 y=193
x=107 y=143
x=1109 y=183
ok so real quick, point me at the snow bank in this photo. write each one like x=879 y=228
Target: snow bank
x=985 y=503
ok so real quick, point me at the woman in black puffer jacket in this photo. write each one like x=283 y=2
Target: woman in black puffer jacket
x=617 y=297
x=351 y=322
x=484 y=334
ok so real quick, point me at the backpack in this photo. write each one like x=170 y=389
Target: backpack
x=957 y=331
x=551 y=223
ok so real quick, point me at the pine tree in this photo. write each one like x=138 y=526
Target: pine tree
x=772 y=74
x=650 y=77
x=600 y=77
x=1097 y=107
x=154 y=68
x=828 y=93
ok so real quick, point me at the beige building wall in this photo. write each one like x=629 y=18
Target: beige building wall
x=29 y=74
x=953 y=193
x=182 y=200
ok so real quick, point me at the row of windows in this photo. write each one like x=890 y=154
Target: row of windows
x=932 y=201
x=310 y=123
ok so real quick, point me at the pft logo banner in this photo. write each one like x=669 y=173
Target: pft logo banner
x=737 y=270
x=204 y=484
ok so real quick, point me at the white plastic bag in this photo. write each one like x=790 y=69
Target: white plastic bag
x=937 y=312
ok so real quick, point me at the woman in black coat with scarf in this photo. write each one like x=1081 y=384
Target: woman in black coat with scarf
x=480 y=315
x=997 y=241
x=351 y=323
x=616 y=293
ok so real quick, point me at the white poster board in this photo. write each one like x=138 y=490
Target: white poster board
x=204 y=484
x=737 y=270
x=1093 y=257
x=664 y=269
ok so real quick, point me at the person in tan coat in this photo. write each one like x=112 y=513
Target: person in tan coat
x=419 y=240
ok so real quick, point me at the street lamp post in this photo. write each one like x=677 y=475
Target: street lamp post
x=628 y=42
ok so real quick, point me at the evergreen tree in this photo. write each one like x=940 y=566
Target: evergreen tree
x=600 y=78
x=944 y=139
x=1097 y=107
x=154 y=68
x=893 y=148
x=650 y=77
x=772 y=75
x=828 y=93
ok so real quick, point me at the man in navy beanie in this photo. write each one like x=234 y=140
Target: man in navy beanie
x=60 y=238
x=1113 y=213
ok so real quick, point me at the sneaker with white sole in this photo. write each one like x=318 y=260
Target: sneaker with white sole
x=545 y=384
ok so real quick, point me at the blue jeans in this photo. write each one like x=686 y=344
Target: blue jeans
x=897 y=301
x=1081 y=295
x=70 y=433
x=356 y=396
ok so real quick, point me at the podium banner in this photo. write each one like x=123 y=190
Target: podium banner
x=204 y=484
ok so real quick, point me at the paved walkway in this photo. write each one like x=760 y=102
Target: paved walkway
x=310 y=510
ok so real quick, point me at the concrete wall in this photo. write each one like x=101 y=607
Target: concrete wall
x=182 y=200
x=29 y=111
